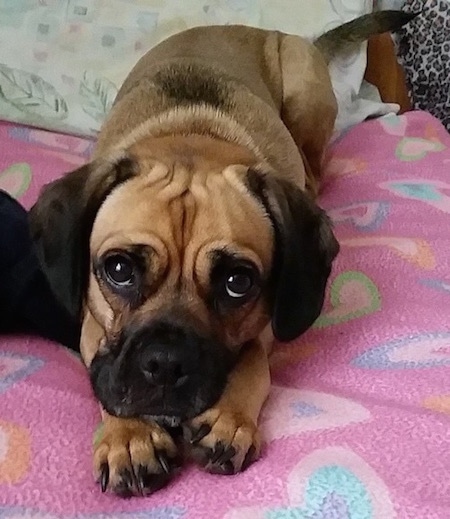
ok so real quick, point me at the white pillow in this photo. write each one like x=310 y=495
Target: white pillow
x=390 y=4
x=62 y=61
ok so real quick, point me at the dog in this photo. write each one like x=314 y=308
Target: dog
x=192 y=239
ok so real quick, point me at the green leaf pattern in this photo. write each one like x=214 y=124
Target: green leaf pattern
x=29 y=93
x=98 y=94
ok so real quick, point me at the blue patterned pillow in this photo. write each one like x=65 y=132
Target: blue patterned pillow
x=62 y=61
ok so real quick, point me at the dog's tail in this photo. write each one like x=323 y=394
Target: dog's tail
x=346 y=37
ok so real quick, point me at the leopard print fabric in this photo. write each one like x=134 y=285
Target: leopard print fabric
x=423 y=49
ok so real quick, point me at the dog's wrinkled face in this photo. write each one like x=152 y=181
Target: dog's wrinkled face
x=180 y=265
x=181 y=258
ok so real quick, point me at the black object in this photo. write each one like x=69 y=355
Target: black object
x=27 y=304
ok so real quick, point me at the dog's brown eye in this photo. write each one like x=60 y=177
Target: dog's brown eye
x=239 y=283
x=119 y=270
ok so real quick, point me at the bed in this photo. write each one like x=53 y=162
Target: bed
x=357 y=424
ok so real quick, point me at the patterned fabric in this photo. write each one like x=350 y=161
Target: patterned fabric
x=62 y=61
x=424 y=52
x=357 y=424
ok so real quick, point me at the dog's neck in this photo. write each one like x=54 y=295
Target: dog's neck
x=192 y=153
x=194 y=121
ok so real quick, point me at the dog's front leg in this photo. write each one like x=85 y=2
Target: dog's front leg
x=225 y=438
x=133 y=457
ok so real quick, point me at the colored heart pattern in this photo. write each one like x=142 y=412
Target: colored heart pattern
x=428 y=350
x=364 y=216
x=418 y=191
x=344 y=167
x=150 y=513
x=348 y=486
x=332 y=446
x=431 y=192
x=15 y=367
x=394 y=124
x=15 y=453
x=73 y=161
x=352 y=295
x=437 y=284
x=50 y=140
x=440 y=404
x=431 y=132
x=74 y=151
x=291 y=411
x=415 y=251
x=416 y=148
x=16 y=179
x=329 y=483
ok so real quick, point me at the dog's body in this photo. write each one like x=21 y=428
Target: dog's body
x=192 y=239
x=194 y=83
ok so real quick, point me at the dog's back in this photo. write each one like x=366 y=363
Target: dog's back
x=265 y=89
x=213 y=80
x=195 y=65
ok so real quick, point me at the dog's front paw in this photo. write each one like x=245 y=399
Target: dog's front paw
x=133 y=457
x=223 y=441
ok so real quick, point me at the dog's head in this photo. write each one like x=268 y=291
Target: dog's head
x=182 y=263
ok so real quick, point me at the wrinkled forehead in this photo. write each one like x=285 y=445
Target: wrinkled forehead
x=183 y=207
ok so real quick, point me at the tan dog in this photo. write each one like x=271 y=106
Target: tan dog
x=191 y=237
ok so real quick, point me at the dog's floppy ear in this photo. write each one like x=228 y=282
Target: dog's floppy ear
x=61 y=223
x=305 y=248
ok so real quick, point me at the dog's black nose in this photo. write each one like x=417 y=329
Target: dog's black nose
x=162 y=366
x=168 y=355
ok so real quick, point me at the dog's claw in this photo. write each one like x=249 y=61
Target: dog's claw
x=163 y=462
x=218 y=452
x=128 y=481
x=140 y=480
x=225 y=469
x=248 y=458
x=104 y=477
x=223 y=441
x=226 y=456
x=134 y=458
x=203 y=431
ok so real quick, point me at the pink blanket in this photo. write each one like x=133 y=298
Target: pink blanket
x=358 y=422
